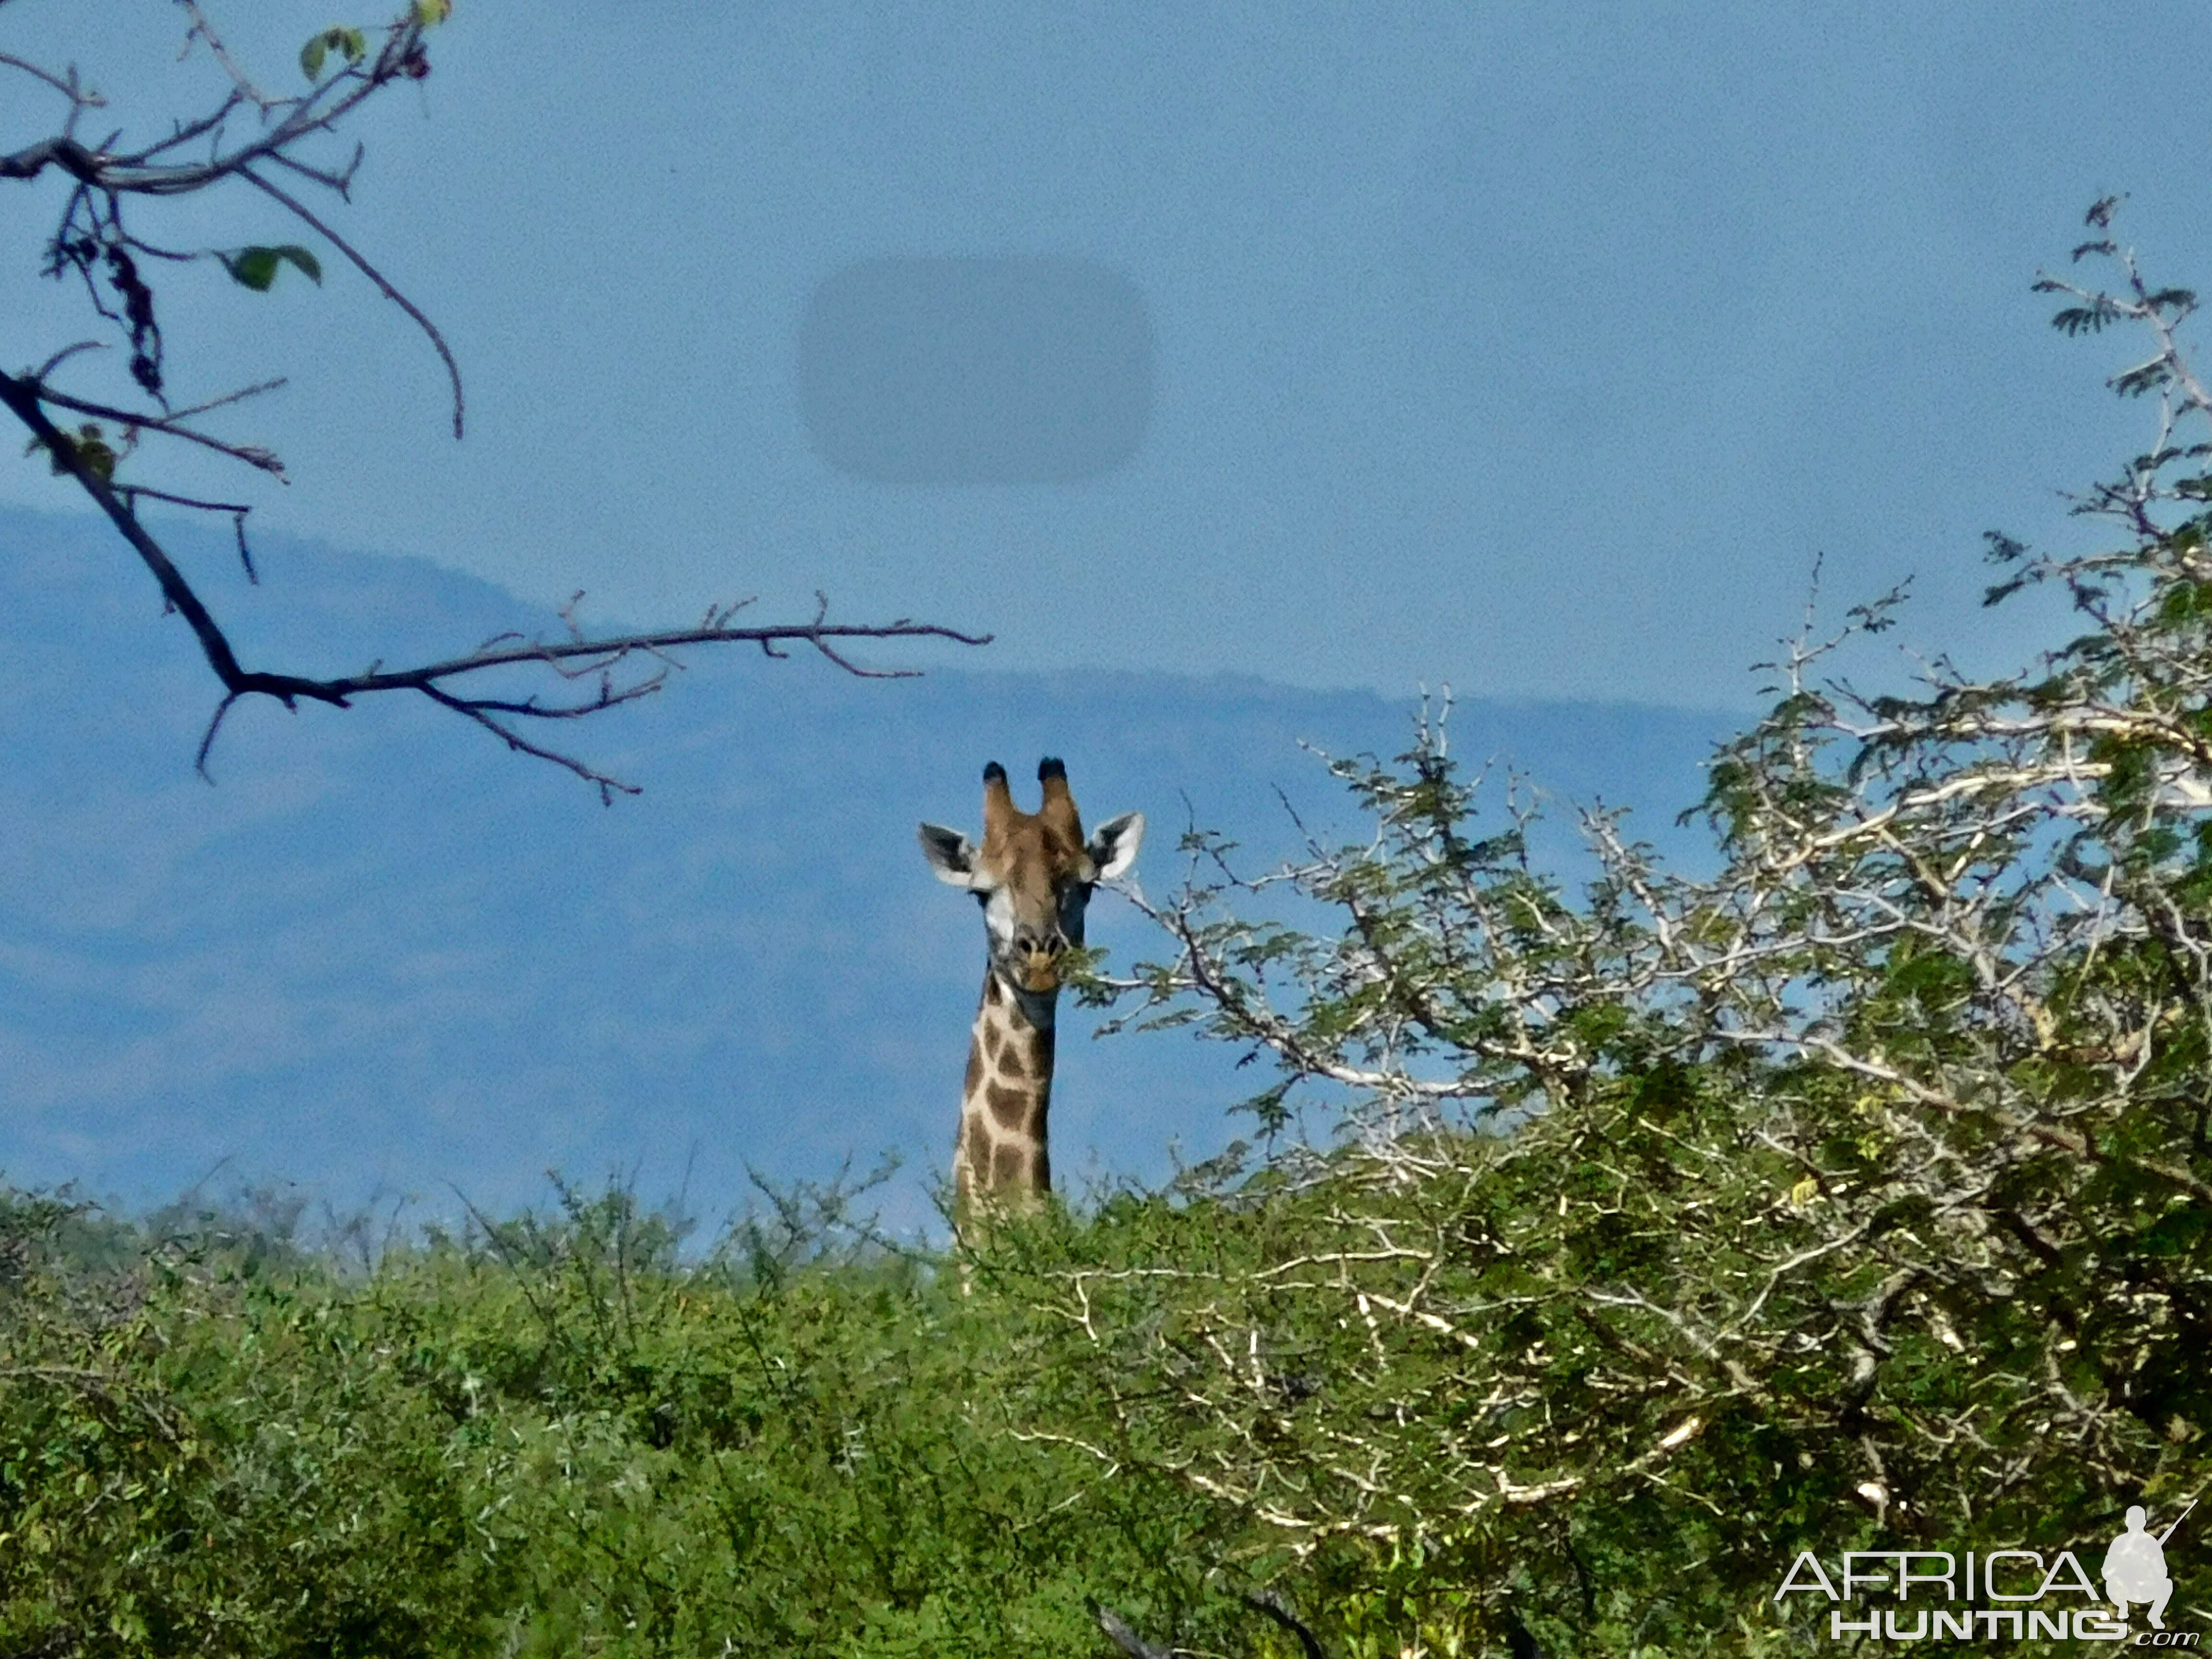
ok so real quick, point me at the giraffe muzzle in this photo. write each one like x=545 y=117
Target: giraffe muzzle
x=1036 y=963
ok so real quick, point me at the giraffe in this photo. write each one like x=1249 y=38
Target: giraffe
x=1033 y=877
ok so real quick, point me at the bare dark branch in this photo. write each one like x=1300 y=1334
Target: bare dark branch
x=251 y=454
x=1270 y=1603
x=67 y=86
x=593 y=655
x=384 y=287
x=39 y=374
x=606 y=785
x=203 y=30
x=1118 y=1631
x=92 y=244
x=237 y=397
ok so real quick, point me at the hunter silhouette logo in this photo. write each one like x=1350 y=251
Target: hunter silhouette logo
x=1997 y=1596
x=2135 y=1566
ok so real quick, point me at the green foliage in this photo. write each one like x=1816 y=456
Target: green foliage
x=89 y=446
x=547 y=1437
x=257 y=267
x=349 y=43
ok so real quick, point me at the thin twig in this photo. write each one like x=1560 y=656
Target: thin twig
x=452 y=369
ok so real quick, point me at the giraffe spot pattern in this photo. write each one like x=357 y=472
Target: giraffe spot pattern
x=1001 y=1151
x=1009 y=1107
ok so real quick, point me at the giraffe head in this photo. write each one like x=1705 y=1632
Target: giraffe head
x=1033 y=874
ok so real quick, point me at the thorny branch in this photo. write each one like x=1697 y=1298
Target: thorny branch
x=1884 y=1141
x=247 y=131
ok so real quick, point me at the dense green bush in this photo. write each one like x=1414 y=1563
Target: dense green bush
x=549 y=1437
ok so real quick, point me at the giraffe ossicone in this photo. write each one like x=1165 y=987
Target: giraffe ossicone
x=1033 y=875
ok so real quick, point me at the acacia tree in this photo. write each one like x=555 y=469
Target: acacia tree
x=281 y=146
x=1858 y=1197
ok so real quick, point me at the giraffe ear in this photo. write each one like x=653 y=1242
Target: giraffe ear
x=1114 y=844
x=951 y=855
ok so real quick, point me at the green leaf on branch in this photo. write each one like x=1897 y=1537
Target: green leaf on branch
x=349 y=43
x=256 y=267
x=429 y=14
x=90 y=449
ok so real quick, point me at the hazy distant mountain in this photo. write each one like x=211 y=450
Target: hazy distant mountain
x=384 y=951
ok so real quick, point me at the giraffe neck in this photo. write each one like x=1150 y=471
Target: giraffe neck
x=1000 y=1155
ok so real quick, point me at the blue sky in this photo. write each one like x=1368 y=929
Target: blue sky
x=1537 y=349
